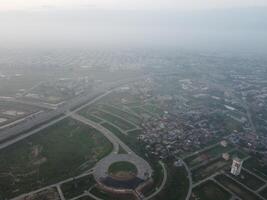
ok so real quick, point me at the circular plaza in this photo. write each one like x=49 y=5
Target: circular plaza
x=122 y=172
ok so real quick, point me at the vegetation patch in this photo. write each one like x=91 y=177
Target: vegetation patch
x=236 y=188
x=209 y=190
x=77 y=187
x=63 y=150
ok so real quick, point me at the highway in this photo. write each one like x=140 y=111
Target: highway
x=23 y=136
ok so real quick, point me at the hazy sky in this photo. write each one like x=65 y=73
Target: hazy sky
x=227 y=24
x=128 y=4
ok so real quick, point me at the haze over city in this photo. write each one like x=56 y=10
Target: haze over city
x=133 y=100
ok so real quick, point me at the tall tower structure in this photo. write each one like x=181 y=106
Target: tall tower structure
x=236 y=166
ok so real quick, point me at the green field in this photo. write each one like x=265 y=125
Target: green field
x=140 y=111
x=255 y=166
x=236 y=188
x=214 y=152
x=122 y=166
x=122 y=124
x=264 y=192
x=177 y=184
x=209 y=169
x=249 y=180
x=125 y=115
x=63 y=150
x=209 y=190
x=152 y=109
x=77 y=187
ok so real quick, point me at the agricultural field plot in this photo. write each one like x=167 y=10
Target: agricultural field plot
x=152 y=109
x=48 y=194
x=256 y=166
x=77 y=187
x=263 y=192
x=63 y=150
x=177 y=184
x=11 y=111
x=209 y=169
x=119 y=122
x=210 y=190
x=204 y=156
x=238 y=153
x=88 y=114
x=141 y=112
x=125 y=115
x=249 y=180
x=236 y=188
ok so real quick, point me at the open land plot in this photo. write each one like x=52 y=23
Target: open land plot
x=122 y=124
x=125 y=115
x=263 y=192
x=63 y=150
x=152 y=109
x=12 y=111
x=210 y=190
x=135 y=132
x=177 y=184
x=141 y=112
x=215 y=151
x=236 y=188
x=255 y=166
x=209 y=169
x=249 y=180
x=88 y=114
x=77 y=187
x=238 y=153
x=119 y=98
x=48 y=194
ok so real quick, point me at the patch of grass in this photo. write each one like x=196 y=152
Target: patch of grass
x=111 y=128
x=209 y=190
x=77 y=187
x=122 y=166
x=63 y=150
x=152 y=109
x=209 y=169
x=263 y=192
x=236 y=188
x=215 y=151
x=256 y=166
x=128 y=116
x=122 y=124
x=177 y=184
x=249 y=180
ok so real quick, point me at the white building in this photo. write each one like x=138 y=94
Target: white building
x=236 y=166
